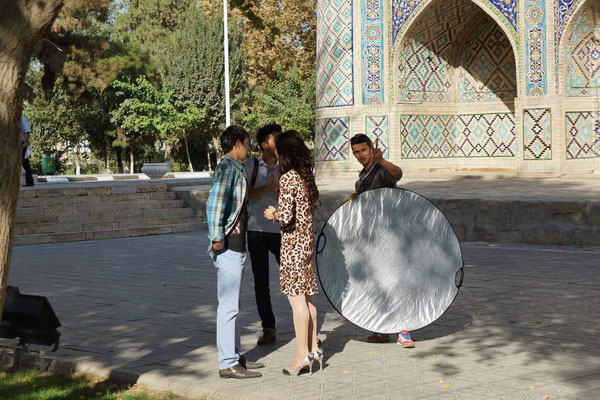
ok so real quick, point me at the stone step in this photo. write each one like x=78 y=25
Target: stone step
x=149 y=200
x=194 y=197
x=179 y=216
x=24 y=213
x=19 y=240
x=60 y=214
x=93 y=190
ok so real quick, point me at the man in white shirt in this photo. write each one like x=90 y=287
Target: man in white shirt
x=263 y=236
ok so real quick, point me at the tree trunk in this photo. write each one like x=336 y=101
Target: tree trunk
x=167 y=151
x=187 y=151
x=22 y=25
x=217 y=147
x=215 y=143
x=105 y=154
x=106 y=171
x=119 y=153
x=131 y=160
x=77 y=163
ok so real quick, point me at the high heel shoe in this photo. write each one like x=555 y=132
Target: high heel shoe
x=318 y=356
x=307 y=362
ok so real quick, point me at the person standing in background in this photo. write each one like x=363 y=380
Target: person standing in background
x=25 y=134
x=263 y=236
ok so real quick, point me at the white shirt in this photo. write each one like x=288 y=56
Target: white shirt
x=256 y=206
x=24 y=128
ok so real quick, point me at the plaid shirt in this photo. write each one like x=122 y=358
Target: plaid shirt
x=226 y=198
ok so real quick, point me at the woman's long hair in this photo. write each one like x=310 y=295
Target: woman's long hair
x=293 y=154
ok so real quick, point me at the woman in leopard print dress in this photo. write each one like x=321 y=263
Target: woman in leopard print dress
x=297 y=199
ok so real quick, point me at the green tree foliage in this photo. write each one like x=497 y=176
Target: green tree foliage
x=94 y=61
x=59 y=119
x=192 y=68
x=148 y=22
x=176 y=45
x=139 y=114
x=295 y=44
x=286 y=100
x=84 y=54
x=84 y=50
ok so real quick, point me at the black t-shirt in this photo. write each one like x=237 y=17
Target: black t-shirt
x=236 y=239
x=376 y=177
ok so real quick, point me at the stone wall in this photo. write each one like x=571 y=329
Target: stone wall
x=509 y=221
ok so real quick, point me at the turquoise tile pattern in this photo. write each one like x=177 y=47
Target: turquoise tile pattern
x=423 y=63
x=485 y=135
x=536 y=49
x=376 y=127
x=372 y=51
x=447 y=136
x=583 y=53
x=335 y=64
x=404 y=10
x=563 y=11
x=332 y=139
x=583 y=134
x=537 y=134
x=428 y=136
x=487 y=65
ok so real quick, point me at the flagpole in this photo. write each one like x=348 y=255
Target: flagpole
x=226 y=47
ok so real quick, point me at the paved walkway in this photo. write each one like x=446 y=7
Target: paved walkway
x=487 y=189
x=525 y=325
x=447 y=188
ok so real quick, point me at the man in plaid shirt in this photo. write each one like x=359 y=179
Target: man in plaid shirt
x=227 y=221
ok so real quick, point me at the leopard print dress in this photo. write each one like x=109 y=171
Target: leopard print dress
x=295 y=214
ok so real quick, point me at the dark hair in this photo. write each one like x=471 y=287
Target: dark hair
x=294 y=155
x=360 y=138
x=262 y=135
x=230 y=135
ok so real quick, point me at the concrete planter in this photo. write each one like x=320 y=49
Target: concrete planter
x=155 y=171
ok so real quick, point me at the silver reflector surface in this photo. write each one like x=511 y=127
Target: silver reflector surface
x=389 y=260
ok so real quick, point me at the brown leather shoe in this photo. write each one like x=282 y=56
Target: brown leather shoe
x=249 y=364
x=266 y=338
x=238 y=372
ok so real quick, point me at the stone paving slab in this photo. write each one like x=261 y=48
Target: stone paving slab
x=525 y=325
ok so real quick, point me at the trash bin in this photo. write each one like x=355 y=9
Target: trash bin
x=48 y=165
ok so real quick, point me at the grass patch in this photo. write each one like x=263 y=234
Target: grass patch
x=32 y=385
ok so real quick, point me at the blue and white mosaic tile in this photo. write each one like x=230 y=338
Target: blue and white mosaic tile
x=377 y=129
x=537 y=134
x=335 y=64
x=372 y=51
x=332 y=139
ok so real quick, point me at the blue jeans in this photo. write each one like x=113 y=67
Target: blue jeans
x=230 y=268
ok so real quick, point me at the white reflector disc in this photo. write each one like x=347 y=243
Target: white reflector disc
x=389 y=261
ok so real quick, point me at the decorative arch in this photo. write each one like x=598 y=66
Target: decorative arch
x=565 y=13
x=581 y=71
x=581 y=51
x=427 y=55
x=486 y=65
x=404 y=14
x=455 y=54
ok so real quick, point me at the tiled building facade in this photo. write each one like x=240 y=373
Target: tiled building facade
x=460 y=85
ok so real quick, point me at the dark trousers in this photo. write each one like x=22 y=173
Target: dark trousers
x=259 y=246
x=27 y=167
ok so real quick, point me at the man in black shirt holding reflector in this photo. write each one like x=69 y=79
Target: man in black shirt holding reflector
x=377 y=173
